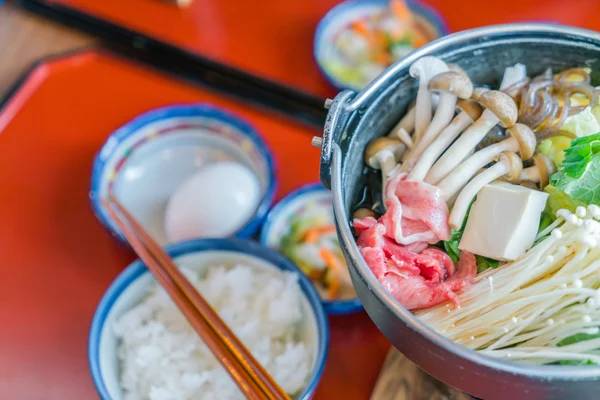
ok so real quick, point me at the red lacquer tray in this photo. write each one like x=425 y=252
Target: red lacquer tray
x=57 y=260
x=274 y=38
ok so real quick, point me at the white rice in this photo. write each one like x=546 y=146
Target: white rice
x=162 y=357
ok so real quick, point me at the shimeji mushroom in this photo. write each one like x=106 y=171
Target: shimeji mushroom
x=477 y=92
x=540 y=172
x=469 y=111
x=513 y=75
x=450 y=85
x=384 y=153
x=508 y=165
x=499 y=109
x=424 y=69
x=521 y=139
x=457 y=68
x=404 y=128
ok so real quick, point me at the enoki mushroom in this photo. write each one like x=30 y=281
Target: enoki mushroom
x=545 y=101
x=525 y=308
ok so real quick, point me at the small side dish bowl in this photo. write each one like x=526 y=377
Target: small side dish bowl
x=295 y=206
x=131 y=286
x=427 y=21
x=145 y=161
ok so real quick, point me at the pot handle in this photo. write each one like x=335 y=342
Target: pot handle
x=335 y=124
x=341 y=108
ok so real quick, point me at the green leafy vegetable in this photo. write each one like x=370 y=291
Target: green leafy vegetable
x=484 y=263
x=579 y=337
x=558 y=199
x=545 y=221
x=297 y=228
x=582 y=124
x=554 y=148
x=405 y=40
x=579 y=155
x=291 y=240
x=596 y=112
x=576 y=362
x=451 y=247
x=349 y=76
x=579 y=177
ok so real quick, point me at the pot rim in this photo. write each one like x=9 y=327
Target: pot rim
x=364 y=96
x=545 y=372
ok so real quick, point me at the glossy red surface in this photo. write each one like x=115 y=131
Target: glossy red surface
x=274 y=38
x=57 y=260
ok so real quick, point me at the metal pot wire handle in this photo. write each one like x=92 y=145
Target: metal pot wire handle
x=335 y=124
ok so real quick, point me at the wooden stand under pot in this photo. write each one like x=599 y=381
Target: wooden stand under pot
x=401 y=379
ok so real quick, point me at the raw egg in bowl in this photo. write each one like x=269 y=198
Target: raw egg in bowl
x=186 y=172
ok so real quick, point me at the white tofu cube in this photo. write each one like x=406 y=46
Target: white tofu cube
x=503 y=221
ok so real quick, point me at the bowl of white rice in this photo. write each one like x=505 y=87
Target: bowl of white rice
x=142 y=347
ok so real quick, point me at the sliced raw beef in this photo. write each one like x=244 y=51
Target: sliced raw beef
x=416 y=212
x=415 y=280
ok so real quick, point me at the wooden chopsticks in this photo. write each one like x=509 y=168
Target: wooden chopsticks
x=252 y=379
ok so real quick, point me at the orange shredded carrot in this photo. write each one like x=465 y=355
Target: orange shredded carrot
x=333 y=263
x=380 y=39
x=400 y=10
x=418 y=39
x=330 y=259
x=361 y=27
x=382 y=57
x=333 y=289
x=316 y=274
x=379 y=48
x=313 y=234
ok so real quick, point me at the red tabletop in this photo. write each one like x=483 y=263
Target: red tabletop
x=274 y=38
x=57 y=260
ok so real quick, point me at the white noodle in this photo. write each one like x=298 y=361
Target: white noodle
x=523 y=309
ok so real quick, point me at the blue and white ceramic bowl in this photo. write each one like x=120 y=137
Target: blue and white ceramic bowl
x=277 y=225
x=147 y=159
x=130 y=286
x=351 y=10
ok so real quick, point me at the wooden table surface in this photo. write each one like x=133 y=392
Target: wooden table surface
x=25 y=38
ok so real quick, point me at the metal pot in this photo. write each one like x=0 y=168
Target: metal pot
x=355 y=119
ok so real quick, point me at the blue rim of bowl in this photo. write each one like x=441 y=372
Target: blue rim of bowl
x=332 y=307
x=137 y=269
x=424 y=10
x=186 y=110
